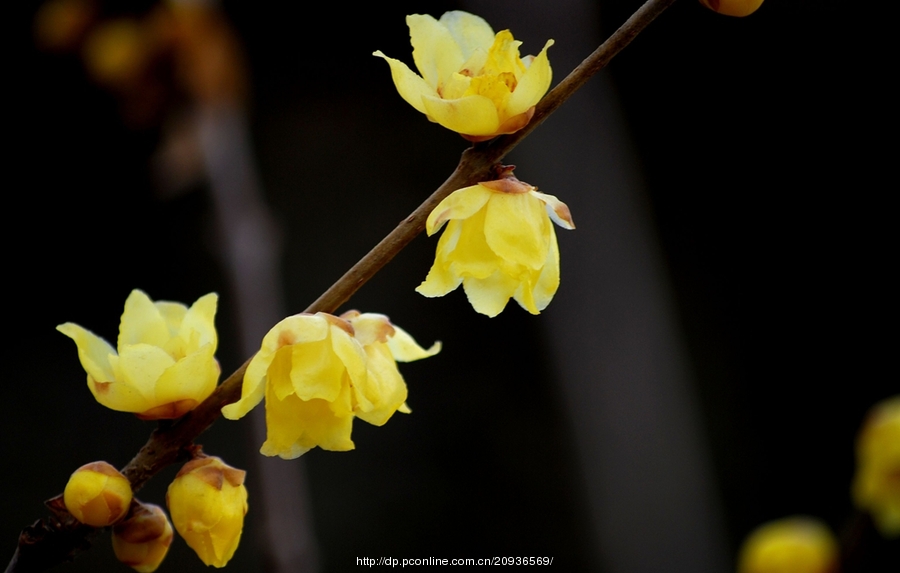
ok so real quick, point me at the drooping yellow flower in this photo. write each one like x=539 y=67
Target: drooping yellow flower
x=790 y=545
x=876 y=485
x=97 y=494
x=142 y=541
x=472 y=81
x=499 y=243
x=208 y=502
x=317 y=372
x=165 y=363
x=733 y=7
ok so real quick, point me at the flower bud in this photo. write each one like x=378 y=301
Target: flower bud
x=790 y=545
x=142 y=540
x=733 y=7
x=208 y=502
x=97 y=494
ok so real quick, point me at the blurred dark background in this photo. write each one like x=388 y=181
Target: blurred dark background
x=758 y=183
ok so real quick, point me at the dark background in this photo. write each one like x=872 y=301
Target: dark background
x=761 y=148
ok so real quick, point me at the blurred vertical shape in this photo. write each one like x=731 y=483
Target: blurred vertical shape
x=252 y=251
x=209 y=61
x=612 y=329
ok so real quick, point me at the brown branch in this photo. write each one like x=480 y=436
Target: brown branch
x=168 y=442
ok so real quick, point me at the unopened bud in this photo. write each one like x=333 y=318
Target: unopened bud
x=208 y=502
x=97 y=494
x=790 y=545
x=733 y=7
x=142 y=540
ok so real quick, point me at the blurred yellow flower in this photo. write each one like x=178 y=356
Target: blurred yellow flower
x=499 y=243
x=208 y=502
x=97 y=494
x=790 y=545
x=165 y=363
x=472 y=81
x=876 y=486
x=733 y=7
x=142 y=540
x=317 y=372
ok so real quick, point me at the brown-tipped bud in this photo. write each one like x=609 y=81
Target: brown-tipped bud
x=142 y=540
x=97 y=494
x=208 y=502
x=733 y=7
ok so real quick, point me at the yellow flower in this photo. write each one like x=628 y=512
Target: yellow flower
x=499 y=243
x=317 y=372
x=790 y=545
x=733 y=7
x=165 y=363
x=142 y=540
x=208 y=502
x=97 y=494
x=472 y=81
x=876 y=486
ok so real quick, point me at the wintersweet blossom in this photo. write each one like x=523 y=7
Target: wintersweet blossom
x=165 y=363
x=499 y=243
x=733 y=7
x=317 y=372
x=208 y=502
x=142 y=541
x=97 y=494
x=876 y=485
x=790 y=545
x=472 y=80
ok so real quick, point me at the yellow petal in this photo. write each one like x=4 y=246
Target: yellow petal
x=469 y=31
x=548 y=282
x=316 y=372
x=410 y=86
x=141 y=366
x=193 y=377
x=533 y=84
x=384 y=390
x=253 y=389
x=557 y=210
x=461 y=204
x=440 y=279
x=295 y=427
x=471 y=115
x=503 y=56
x=435 y=52
x=173 y=313
x=350 y=355
x=200 y=319
x=490 y=295
x=405 y=349
x=142 y=322
x=93 y=351
x=516 y=229
x=472 y=256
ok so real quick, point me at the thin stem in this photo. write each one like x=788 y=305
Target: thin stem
x=167 y=443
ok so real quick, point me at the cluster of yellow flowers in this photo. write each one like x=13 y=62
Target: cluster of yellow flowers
x=207 y=500
x=318 y=372
x=163 y=367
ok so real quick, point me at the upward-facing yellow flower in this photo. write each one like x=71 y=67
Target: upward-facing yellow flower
x=165 y=363
x=472 y=81
x=876 y=486
x=318 y=371
x=499 y=243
